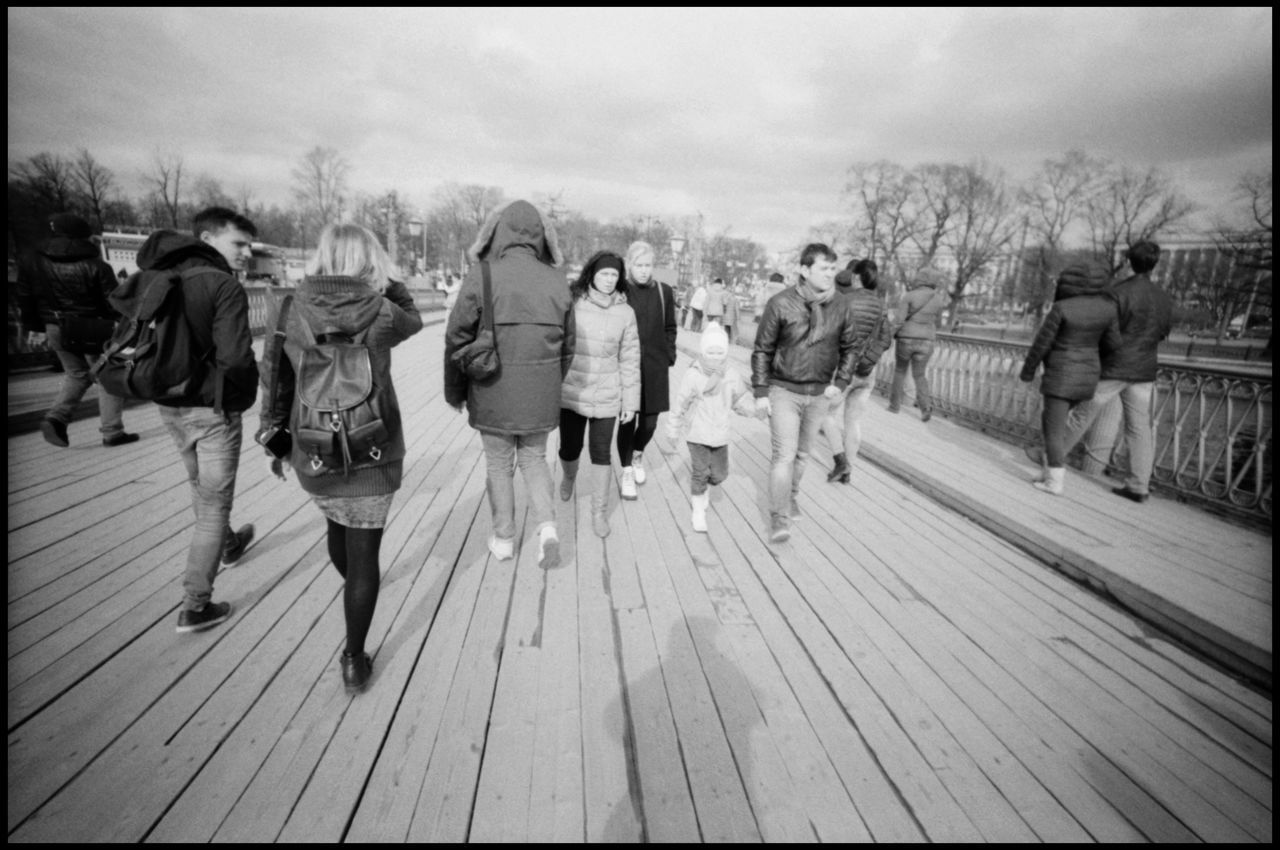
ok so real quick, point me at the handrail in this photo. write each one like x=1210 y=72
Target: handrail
x=1213 y=426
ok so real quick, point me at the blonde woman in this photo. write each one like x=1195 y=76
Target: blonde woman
x=348 y=291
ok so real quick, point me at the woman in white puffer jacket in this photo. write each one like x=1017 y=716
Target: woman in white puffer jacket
x=603 y=380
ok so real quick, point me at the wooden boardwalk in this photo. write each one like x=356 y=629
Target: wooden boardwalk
x=895 y=672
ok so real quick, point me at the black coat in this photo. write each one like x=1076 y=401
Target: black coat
x=656 y=322
x=64 y=276
x=1081 y=325
x=1145 y=319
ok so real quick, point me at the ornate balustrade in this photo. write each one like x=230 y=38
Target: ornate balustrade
x=1213 y=426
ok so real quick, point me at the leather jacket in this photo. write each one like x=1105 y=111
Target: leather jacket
x=64 y=276
x=783 y=357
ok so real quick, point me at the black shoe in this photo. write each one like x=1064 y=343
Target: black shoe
x=926 y=415
x=1130 y=495
x=55 y=432
x=356 y=670
x=893 y=408
x=212 y=614
x=839 y=472
x=236 y=544
x=121 y=439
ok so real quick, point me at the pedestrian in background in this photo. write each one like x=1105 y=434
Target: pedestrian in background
x=915 y=333
x=515 y=410
x=654 y=305
x=66 y=276
x=1082 y=325
x=603 y=381
x=348 y=291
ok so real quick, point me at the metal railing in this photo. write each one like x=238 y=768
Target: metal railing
x=1213 y=425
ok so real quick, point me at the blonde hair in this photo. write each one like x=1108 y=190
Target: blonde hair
x=639 y=249
x=349 y=250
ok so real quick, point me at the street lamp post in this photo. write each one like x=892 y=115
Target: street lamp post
x=677 y=245
x=416 y=230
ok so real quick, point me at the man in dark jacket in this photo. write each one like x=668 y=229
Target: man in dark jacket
x=842 y=424
x=515 y=410
x=1130 y=371
x=67 y=276
x=806 y=342
x=206 y=426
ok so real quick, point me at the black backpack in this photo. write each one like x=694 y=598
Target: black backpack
x=338 y=418
x=152 y=354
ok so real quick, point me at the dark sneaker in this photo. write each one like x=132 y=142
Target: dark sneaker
x=926 y=415
x=121 y=439
x=1130 y=494
x=235 y=545
x=893 y=408
x=55 y=432
x=356 y=670
x=212 y=614
x=780 y=531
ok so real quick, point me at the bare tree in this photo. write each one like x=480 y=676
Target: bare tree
x=95 y=183
x=1055 y=200
x=49 y=180
x=1246 y=242
x=939 y=188
x=983 y=222
x=320 y=185
x=1129 y=206
x=165 y=180
x=207 y=192
x=881 y=195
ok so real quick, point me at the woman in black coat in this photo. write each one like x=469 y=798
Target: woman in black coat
x=1082 y=323
x=654 y=304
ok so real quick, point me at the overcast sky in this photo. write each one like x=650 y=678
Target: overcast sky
x=750 y=117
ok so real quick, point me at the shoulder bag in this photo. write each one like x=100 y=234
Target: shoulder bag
x=478 y=359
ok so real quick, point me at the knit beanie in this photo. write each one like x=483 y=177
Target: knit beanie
x=67 y=224
x=715 y=342
x=610 y=262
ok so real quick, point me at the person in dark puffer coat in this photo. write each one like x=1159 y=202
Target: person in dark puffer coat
x=1082 y=323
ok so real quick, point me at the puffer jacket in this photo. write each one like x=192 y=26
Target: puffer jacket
x=1146 y=317
x=217 y=311
x=705 y=418
x=867 y=311
x=64 y=275
x=924 y=302
x=1082 y=323
x=604 y=376
x=347 y=306
x=782 y=357
x=533 y=325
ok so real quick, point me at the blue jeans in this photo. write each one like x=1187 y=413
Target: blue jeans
x=1135 y=400
x=209 y=444
x=793 y=424
x=843 y=424
x=914 y=353
x=75 y=383
x=502 y=454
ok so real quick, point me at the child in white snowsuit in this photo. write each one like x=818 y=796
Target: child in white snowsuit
x=709 y=392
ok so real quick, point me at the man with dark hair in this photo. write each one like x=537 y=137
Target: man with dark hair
x=803 y=359
x=206 y=425
x=66 y=276
x=1130 y=371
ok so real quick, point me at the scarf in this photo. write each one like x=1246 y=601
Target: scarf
x=815 y=300
x=714 y=370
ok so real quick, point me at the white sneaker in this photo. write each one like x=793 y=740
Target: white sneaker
x=503 y=550
x=628 y=483
x=699 y=519
x=635 y=465
x=549 y=548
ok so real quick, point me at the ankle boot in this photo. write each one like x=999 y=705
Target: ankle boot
x=1055 y=482
x=570 y=468
x=699 y=518
x=601 y=481
x=840 y=472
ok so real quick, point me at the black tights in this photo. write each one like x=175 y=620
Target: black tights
x=354 y=551
x=635 y=435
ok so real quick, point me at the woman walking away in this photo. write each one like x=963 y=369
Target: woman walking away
x=709 y=392
x=654 y=305
x=1082 y=324
x=922 y=305
x=347 y=299
x=515 y=410
x=603 y=381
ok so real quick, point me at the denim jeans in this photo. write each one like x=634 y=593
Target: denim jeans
x=502 y=454
x=1135 y=400
x=914 y=353
x=843 y=423
x=793 y=424
x=209 y=444
x=75 y=383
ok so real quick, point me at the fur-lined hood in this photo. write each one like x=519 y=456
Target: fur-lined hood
x=518 y=226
